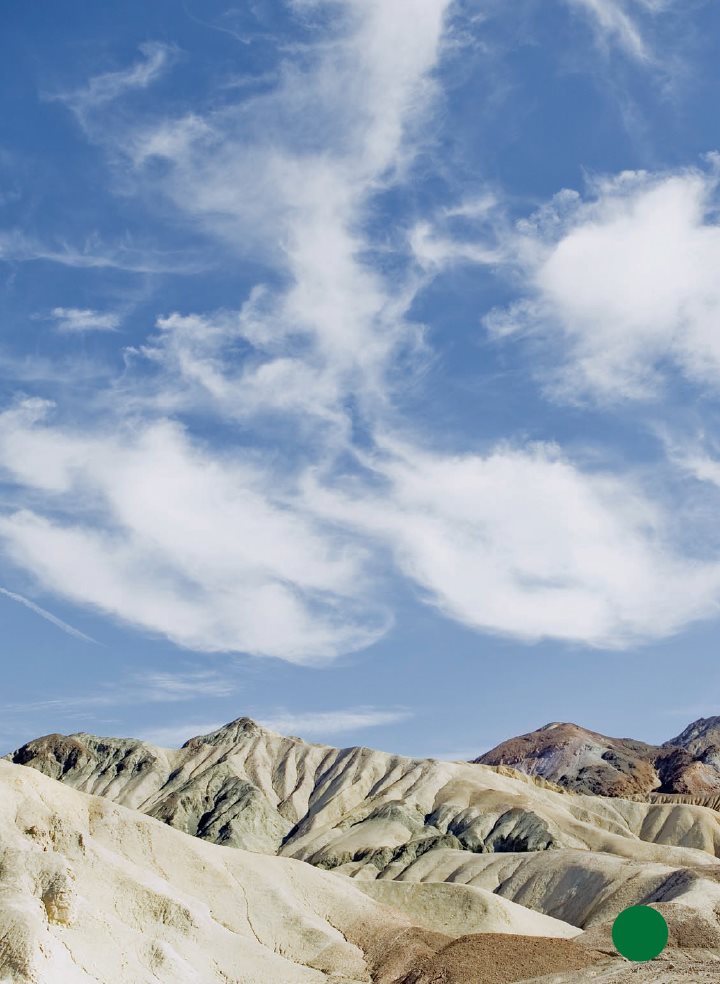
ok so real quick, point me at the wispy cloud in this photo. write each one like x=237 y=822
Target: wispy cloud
x=150 y=687
x=78 y=320
x=617 y=22
x=253 y=571
x=320 y=723
x=311 y=724
x=225 y=547
x=524 y=542
x=198 y=548
x=174 y=735
x=48 y=616
x=109 y=86
x=95 y=254
x=335 y=326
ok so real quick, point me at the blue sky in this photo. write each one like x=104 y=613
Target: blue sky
x=359 y=368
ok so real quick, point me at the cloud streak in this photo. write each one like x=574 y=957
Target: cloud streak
x=79 y=320
x=308 y=724
x=321 y=723
x=151 y=687
x=48 y=616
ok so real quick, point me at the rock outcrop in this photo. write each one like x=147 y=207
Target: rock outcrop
x=587 y=762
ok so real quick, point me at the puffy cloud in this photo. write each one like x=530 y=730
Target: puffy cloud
x=622 y=286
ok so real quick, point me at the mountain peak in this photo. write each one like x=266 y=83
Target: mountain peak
x=557 y=725
x=230 y=734
x=697 y=730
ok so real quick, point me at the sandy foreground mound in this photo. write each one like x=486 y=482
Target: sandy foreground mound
x=92 y=893
x=491 y=959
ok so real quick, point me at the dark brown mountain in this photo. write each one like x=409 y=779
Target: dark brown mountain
x=587 y=762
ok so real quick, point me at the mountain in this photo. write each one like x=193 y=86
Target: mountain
x=701 y=738
x=587 y=762
x=244 y=786
x=419 y=870
x=378 y=816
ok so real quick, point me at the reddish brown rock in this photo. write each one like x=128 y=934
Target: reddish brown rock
x=588 y=762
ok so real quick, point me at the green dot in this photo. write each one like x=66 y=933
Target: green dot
x=640 y=933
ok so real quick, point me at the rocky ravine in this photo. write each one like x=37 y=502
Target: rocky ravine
x=587 y=762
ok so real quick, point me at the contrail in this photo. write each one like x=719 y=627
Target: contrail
x=47 y=615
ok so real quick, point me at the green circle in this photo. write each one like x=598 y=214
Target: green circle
x=640 y=933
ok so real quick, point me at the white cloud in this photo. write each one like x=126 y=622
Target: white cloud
x=167 y=687
x=72 y=320
x=221 y=555
x=434 y=251
x=204 y=549
x=522 y=542
x=219 y=551
x=204 y=546
x=321 y=723
x=623 y=285
x=287 y=176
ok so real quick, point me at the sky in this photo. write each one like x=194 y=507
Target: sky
x=359 y=369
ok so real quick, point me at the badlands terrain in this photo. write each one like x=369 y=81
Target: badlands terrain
x=247 y=857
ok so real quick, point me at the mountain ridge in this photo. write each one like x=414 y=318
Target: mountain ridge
x=586 y=761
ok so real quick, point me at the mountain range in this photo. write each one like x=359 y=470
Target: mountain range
x=303 y=862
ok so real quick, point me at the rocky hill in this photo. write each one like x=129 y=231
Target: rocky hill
x=587 y=762
x=374 y=815
x=93 y=893
x=438 y=852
